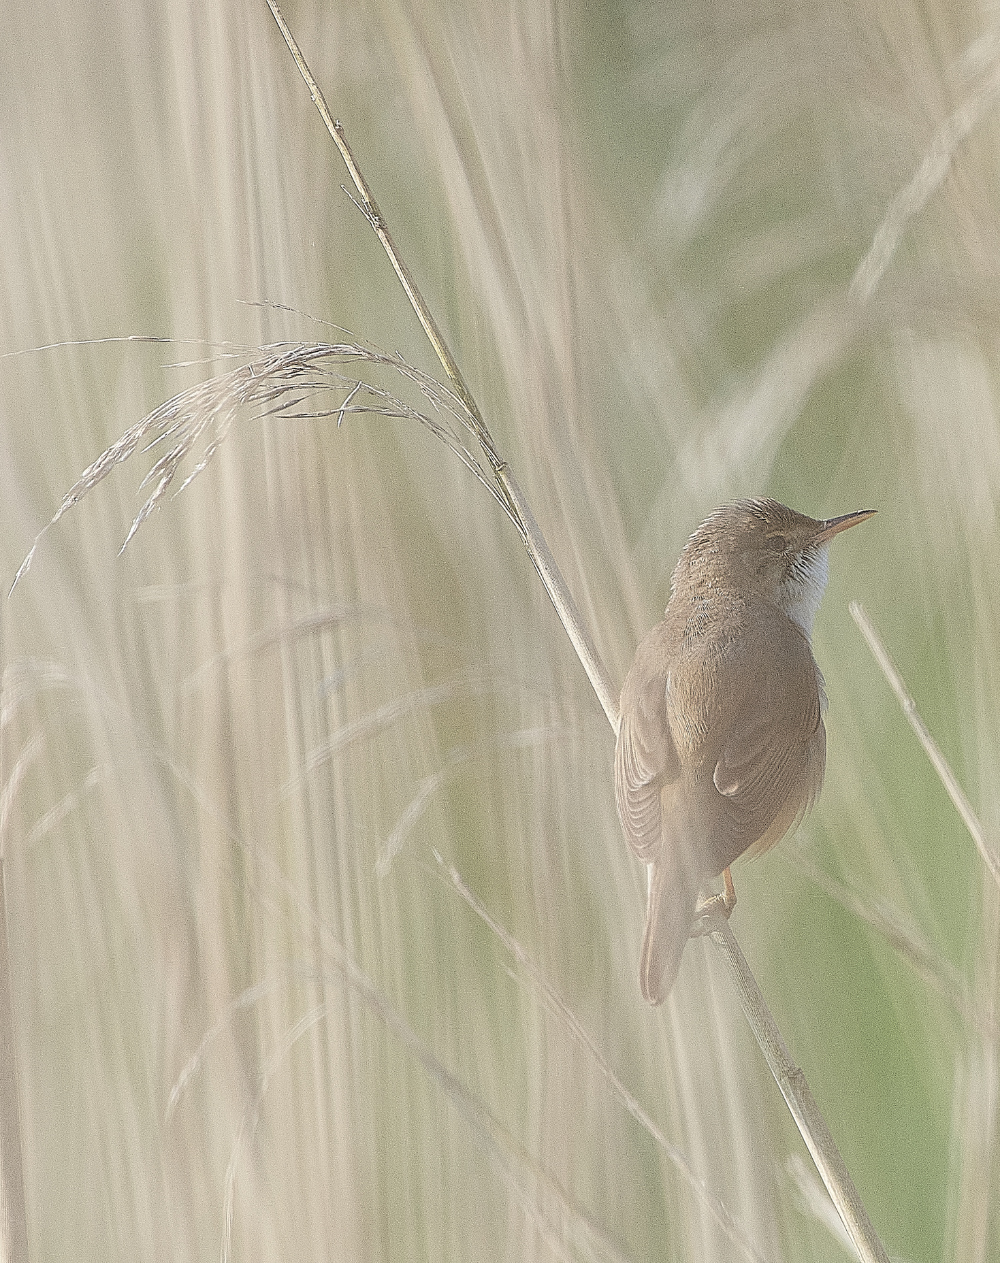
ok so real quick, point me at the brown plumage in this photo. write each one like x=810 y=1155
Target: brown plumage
x=721 y=745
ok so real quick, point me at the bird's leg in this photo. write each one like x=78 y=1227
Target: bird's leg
x=729 y=898
x=715 y=906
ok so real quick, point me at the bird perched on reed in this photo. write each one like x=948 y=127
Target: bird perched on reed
x=721 y=746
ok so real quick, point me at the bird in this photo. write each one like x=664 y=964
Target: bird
x=721 y=745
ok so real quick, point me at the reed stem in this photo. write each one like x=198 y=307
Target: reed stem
x=790 y=1079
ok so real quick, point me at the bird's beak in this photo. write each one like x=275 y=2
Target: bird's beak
x=834 y=525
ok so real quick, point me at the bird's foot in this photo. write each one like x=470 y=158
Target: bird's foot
x=714 y=906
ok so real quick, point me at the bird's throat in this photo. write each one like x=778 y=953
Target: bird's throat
x=802 y=589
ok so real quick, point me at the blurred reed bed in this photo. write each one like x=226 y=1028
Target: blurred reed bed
x=323 y=936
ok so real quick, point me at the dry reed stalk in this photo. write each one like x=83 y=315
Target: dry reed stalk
x=277 y=381
x=789 y=1077
x=949 y=780
x=13 y=1215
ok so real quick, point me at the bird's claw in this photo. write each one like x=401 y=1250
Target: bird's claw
x=714 y=906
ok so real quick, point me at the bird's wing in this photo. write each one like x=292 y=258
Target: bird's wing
x=771 y=764
x=645 y=758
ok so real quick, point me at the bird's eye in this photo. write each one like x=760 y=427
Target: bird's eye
x=777 y=543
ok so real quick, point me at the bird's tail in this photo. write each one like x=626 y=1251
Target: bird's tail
x=670 y=909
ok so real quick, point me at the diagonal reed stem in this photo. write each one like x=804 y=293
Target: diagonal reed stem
x=520 y=510
x=799 y=1099
x=787 y=1075
x=931 y=748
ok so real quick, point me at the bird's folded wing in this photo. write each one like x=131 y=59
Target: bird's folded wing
x=645 y=759
x=771 y=765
